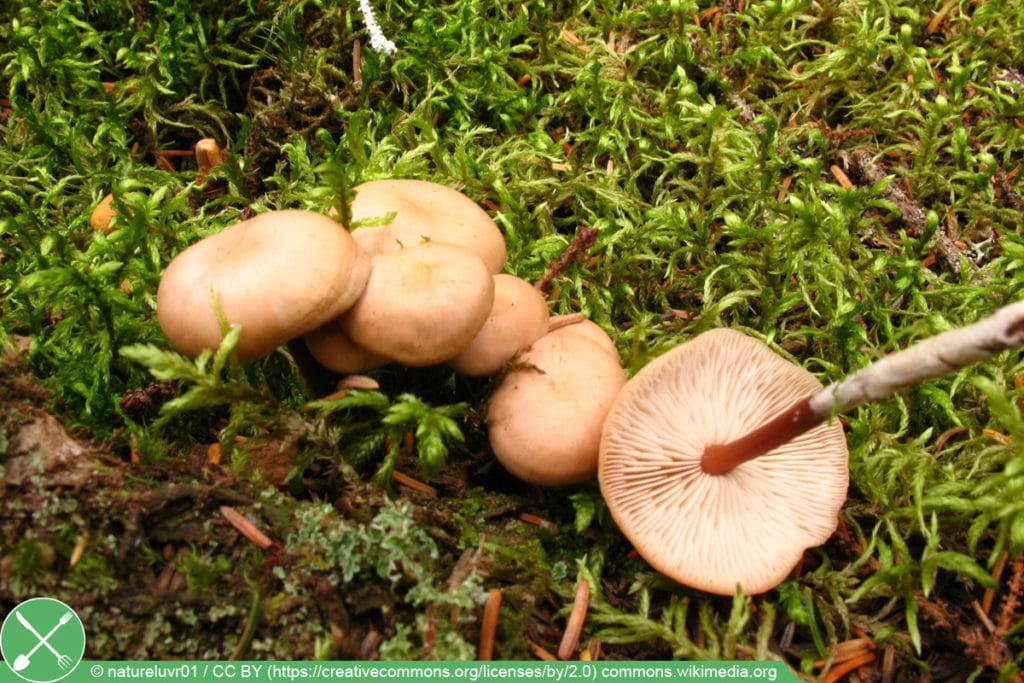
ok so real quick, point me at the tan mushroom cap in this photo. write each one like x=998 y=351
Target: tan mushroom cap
x=750 y=526
x=332 y=348
x=424 y=212
x=422 y=305
x=544 y=420
x=576 y=323
x=518 y=317
x=279 y=275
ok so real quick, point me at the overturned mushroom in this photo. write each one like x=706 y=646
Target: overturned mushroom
x=720 y=461
x=278 y=275
x=749 y=527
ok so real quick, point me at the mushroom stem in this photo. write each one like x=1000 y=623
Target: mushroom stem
x=789 y=424
x=933 y=357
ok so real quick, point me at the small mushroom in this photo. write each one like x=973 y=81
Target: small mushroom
x=518 y=317
x=422 y=305
x=544 y=419
x=333 y=349
x=747 y=527
x=576 y=323
x=278 y=275
x=424 y=212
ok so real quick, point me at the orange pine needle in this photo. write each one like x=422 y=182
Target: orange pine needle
x=535 y=520
x=80 y=545
x=574 y=625
x=836 y=673
x=998 y=436
x=572 y=38
x=940 y=17
x=161 y=160
x=415 y=484
x=997 y=573
x=848 y=649
x=542 y=654
x=489 y=624
x=784 y=190
x=841 y=177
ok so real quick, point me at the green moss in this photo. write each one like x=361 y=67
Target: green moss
x=700 y=142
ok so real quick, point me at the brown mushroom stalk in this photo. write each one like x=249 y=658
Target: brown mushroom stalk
x=944 y=353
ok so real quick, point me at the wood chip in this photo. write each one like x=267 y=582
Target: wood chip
x=245 y=527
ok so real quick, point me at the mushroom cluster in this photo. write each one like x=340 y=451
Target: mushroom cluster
x=418 y=282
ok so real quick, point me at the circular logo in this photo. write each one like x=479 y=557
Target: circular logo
x=42 y=640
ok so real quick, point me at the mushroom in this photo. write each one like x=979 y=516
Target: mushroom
x=720 y=461
x=424 y=211
x=332 y=348
x=747 y=527
x=576 y=323
x=518 y=317
x=544 y=419
x=278 y=275
x=422 y=305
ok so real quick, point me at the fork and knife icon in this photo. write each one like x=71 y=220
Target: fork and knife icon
x=22 y=661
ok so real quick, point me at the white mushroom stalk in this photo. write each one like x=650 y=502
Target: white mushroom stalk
x=944 y=353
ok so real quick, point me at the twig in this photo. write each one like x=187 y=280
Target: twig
x=584 y=239
x=1013 y=596
x=985 y=621
x=863 y=167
